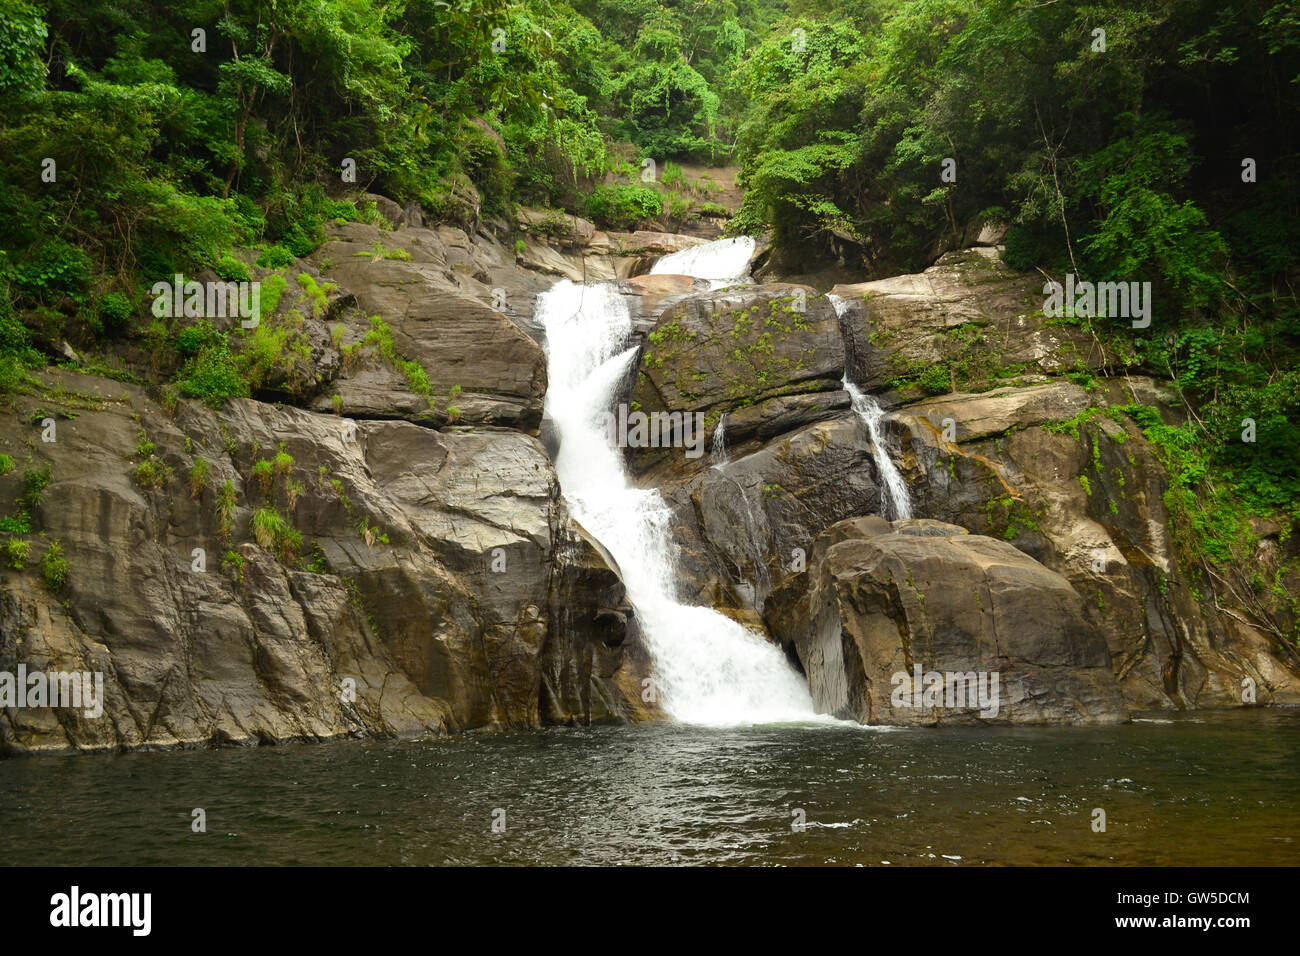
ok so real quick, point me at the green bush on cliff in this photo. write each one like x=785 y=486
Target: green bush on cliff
x=54 y=567
x=213 y=376
x=624 y=207
x=16 y=551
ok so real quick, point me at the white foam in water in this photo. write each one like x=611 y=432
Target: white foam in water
x=721 y=262
x=708 y=669
x=897 y=501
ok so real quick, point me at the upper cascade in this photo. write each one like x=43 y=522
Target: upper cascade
x=720 y=262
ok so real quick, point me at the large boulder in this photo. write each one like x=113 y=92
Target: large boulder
x=742 y=525
x=764 y=354
x=474 y=357
x=887 y=607
x=1069 y=479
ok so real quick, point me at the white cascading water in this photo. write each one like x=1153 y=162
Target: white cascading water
x=707 y=668
x=720 y=263
x=896 y=502
x=718 y=447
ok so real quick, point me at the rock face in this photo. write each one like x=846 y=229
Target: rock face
x=372 y=577
x=741 y=525
x=968 y=312
x=1086 y=497
x=1055 y=470
x=884 y=605
x=375 y=543
x=476 y=360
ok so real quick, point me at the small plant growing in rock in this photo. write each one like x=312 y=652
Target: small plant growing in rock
x=34 y=482
x=153 y=475
x=264 y=474
x=199 y=477
x=267 y=524
x=54 y=567
x=371 y=534
x=16 y=551
x=283 y=462
x=6 y=464
x=318 y=564
x=227 y=503
x=417 y=379
x=272 y=531
x=337 y=401
x=233 y=564
x=143 y=446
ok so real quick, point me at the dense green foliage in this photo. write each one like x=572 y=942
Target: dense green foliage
x=145 y=140
x=135 y=149
x=1116 y=163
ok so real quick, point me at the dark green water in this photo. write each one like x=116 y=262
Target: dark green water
x=1208 y=788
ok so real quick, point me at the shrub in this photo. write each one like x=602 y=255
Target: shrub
x=275 y=257
x=54 y=567
x=199 y=476
x=231 y=269
x=227 y=503
x=19 y=523
x=114 y=313
x=213 y=377
x=935 y=380
x=194 y=339
x=16 y=553
x=1020 y=248
x=50 y=270
x=623 y=207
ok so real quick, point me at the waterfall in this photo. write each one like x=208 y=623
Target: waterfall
x=724 y=262
x=896 y=502
x=707 y=668
x=718 y=448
